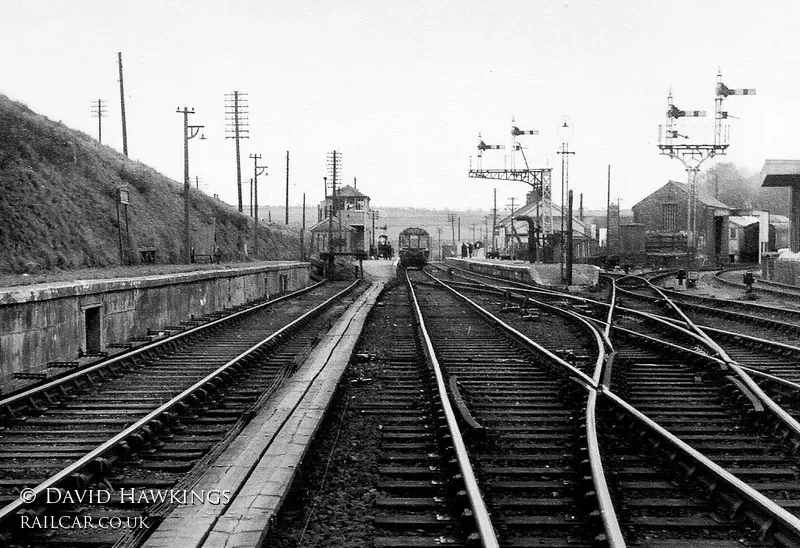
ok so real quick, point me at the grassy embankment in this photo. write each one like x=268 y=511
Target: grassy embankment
x=58 y=205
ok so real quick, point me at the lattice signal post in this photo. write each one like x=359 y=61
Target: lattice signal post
x=676 y=145
x=538 y=178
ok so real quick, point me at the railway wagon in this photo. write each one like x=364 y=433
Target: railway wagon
x=414 y=247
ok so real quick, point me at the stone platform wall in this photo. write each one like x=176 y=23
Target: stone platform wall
x=542 y=274
x=47 y=322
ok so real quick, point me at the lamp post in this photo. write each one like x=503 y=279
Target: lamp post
x=189 y=132
x=565 y=131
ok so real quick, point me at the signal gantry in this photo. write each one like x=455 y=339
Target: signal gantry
x=538 y=178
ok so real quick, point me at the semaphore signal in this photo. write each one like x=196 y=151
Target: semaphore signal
x=692 y=155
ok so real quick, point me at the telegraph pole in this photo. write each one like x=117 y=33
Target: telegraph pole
x=608 y=219
x=189 y=132
x=374 y=214
x=494 y=222
x=451 y=218
x=334 y=169
x=569 y=242
x=287 y=188
x=99 y=110
x=330 y=228
x=257 y=170
x=237 y=122
x=513 y=230
x=122 y=107
x=565 y=132
x=303 y=231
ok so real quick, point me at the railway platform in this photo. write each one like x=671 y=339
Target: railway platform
x=48 y=328
x=258 y=468
x=378 y=270
x=541 y=274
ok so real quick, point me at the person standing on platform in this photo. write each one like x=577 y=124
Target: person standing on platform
x=463 y=251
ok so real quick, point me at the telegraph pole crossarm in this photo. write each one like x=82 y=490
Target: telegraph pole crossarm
x=237 y=121
x=189 y=132
x=99 y=111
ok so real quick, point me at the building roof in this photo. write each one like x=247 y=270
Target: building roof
x=707 y=201
x=780 y=173
x=742 y=220
x=529 y=210
x=349 y=191
x=778 y=218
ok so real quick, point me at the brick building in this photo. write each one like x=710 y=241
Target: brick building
x=664 y=214
x=351 y=232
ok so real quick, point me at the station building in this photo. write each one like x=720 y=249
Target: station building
x=513 y=231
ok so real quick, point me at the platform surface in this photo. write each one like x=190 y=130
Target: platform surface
x=258 y=468
x=380 y=270
x=540 y=273
x=56 y=289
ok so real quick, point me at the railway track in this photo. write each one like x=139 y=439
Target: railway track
x=766 y=321
x=523 y=443
x=86 y=459
x=659 y=508
x=530 y=464
x=766 y=288
x=770 y=359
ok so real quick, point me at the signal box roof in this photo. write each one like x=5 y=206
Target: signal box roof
x=780 y=173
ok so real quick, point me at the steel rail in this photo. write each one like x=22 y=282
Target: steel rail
x=713 y=344
x=734 y=334
x=790 y=290
x=790 y=422
x=10 y=509
x=608 y=515
x=775 y=512
x=738 y=305
x=772 y=378
x=6 y=402
x=481 y=514
x=612 y=306
x=582 y=379
x=605 y=504
x=601 y=338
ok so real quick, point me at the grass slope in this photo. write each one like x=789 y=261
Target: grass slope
x=58 y=204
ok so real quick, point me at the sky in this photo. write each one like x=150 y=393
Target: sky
x=402 y=89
